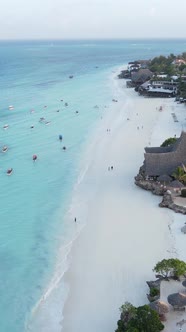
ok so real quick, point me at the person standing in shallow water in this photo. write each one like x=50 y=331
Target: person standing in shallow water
x=74 y=219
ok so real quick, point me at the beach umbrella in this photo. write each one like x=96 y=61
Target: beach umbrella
x=177 y=299
x=176 y=184
x=184 y=283
x=164 y=178
x=160 y=307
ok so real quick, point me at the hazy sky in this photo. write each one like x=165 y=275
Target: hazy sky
x=37 y=19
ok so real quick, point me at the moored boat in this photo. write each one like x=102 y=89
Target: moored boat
x=4 y=149
x=9 y=171
x=5 y=126
x=42 y=119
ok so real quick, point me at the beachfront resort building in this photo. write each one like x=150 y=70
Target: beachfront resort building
x=139 y=77
x=154 y=88
x=164 y=160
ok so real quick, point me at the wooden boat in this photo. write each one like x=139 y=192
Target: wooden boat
x=9 y=171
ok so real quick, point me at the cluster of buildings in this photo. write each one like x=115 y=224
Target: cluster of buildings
x=146 y=83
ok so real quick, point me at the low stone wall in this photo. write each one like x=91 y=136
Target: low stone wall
x=160 y=190
x=152 y=186
x=168 y=202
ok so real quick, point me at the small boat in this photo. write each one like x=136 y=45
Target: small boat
x=42 y=119
x=9 y=171
x=34 y=157
x=5 y=126
x=47 y=122
x=11 y=107
x=4 y=149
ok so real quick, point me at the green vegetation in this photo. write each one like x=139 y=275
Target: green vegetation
x=182 y=67
x=154 y=291
x=180 y=174
x=163 y=64
x=141 y=319
x=172 y=267
x=169 y=141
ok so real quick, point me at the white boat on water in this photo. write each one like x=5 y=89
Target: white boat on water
x=11 y=107
x=5 y=126
x=42 y=119
x=9 y=171
x=47 y=123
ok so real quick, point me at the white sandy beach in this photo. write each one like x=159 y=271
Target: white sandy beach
x=126 y=232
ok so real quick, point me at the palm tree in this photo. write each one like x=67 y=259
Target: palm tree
x=180 y=174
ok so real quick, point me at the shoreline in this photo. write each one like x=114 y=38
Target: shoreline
x=105 y=275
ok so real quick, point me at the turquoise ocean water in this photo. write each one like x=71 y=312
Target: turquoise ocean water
x=36 y=222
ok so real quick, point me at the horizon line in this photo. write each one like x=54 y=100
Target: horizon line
x=92 y=39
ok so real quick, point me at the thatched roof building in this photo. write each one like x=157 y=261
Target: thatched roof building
x=159 y=306
x=177 y=300
x=165 y=179
x=164 y=160
x=141 y=76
